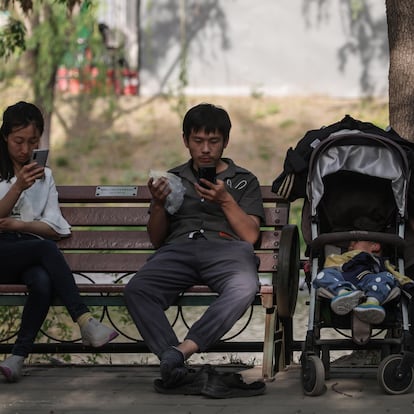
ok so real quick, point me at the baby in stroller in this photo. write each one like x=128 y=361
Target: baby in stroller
x=360 y=280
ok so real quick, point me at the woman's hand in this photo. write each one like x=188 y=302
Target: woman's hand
x=11 y=224
x=28 y=175
x=36 y=227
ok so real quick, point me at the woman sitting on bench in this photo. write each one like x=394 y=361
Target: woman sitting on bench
x=30 y=219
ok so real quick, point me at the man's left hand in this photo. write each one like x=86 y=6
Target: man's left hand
x=216 y=192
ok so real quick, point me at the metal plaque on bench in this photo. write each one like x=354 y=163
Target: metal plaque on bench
x=116 y=191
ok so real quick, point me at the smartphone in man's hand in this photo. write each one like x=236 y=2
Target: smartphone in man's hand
x=207 y=172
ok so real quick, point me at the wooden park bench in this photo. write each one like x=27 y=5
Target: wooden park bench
x=109 y=243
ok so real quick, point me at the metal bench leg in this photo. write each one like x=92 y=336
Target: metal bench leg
x=269 y=345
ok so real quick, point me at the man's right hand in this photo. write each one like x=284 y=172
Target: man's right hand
x=159 y=190
x=158 y=220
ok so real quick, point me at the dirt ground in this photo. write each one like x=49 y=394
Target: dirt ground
x=120 y=141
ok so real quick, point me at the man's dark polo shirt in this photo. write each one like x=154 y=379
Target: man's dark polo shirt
x=206 y=218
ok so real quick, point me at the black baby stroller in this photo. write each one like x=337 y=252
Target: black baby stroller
x=357 y=185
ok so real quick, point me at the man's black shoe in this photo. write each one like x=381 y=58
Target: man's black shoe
x=172 y=367
x=231 y=385
x=191 y=384
x=213 y=384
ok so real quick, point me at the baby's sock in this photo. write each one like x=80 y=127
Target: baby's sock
x=372 y=301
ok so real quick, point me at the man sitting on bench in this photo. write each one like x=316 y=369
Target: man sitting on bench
x=208 y=240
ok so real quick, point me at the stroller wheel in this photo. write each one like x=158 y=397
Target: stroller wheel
x=391 y=378
x=313 y=375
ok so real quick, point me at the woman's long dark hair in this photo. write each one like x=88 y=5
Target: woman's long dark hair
x=19 y=115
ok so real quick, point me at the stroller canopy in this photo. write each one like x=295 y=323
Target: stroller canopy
x=367 y=154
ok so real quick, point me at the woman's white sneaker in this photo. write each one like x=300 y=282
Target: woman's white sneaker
x=96 y=334
x=12 y=368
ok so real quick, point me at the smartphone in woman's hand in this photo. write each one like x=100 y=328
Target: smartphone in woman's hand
x=40 y=156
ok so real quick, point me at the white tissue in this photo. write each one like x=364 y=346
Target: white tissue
x=176 y=197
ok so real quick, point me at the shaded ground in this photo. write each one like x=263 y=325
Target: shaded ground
x=80 y=390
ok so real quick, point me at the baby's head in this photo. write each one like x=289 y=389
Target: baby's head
x=365 y=246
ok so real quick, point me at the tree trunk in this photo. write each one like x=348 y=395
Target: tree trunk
x=43 y=72
x=400 y=18
x=45 y=142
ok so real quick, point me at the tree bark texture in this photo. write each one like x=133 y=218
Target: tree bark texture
x=400 y=20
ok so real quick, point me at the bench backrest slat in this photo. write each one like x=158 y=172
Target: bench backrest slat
x=138 y=216
x=80 y=194
x=102 y=224
x=107 y=240
x=105 y=216
x=135 y=240
x=131 y=262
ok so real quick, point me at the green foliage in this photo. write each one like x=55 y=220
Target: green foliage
x=286 y=123
x=12 y=38
x=56 y=31
x=54 y=37
x=62 y=161
x=256 y=93
x=10 y=315
x=27 y=5
x=181 y=104
x=357 y=7
x=267 y=111
x=13 y=35
x=265 y=151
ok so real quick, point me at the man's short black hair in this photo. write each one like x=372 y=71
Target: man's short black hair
x=207 y=117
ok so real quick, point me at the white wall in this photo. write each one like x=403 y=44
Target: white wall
x=275 y=47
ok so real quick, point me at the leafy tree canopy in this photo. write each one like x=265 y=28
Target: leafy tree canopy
x=13 y=34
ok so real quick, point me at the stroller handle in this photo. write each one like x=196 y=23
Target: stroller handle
x=337 y=237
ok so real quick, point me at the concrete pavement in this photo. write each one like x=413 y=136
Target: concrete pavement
x=128 y=389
